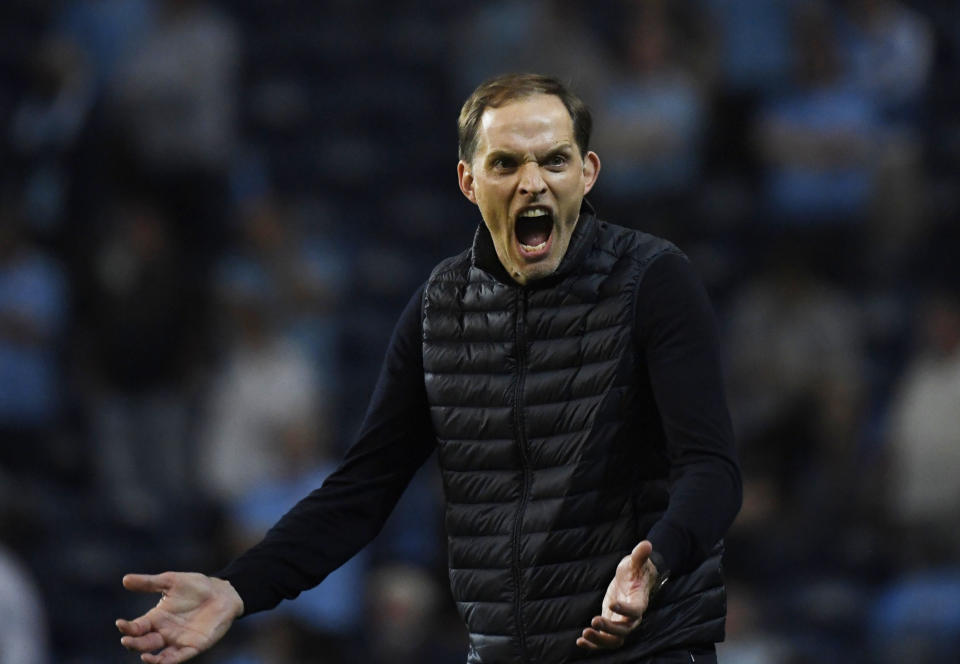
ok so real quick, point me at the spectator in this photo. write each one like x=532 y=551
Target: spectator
x=305 y=267
x=650 y=119
x=796 y=361
x=23 y=624
x=819 y=138
x=264 y=392
x=923 y=453
x=889 y=48
x=33 y=312
x=143 y=332
x=46 y=128
x=174 y=101
x=105 y=31
x=404 y=603
x=755 y=48
x=551 y=36
x=178 y=89
x=916 y=612
x=810 y=539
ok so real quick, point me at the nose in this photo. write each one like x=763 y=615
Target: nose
x=531 y=181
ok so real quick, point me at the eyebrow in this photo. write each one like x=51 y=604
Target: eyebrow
x=563 y=147
x=497 y=154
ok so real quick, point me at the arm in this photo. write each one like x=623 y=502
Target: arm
x=676 y=334
x=329 y=526
x=318 y=535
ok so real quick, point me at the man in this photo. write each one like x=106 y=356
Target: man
x=566 y=372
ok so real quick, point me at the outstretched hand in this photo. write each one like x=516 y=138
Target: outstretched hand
x=625 y=602
x=193 y=613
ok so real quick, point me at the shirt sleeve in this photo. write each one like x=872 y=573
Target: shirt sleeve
x=331 y=524
x=677 y=334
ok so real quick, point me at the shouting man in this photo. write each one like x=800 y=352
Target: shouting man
x=566 y=371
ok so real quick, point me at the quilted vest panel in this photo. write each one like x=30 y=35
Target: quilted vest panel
x=549 y=482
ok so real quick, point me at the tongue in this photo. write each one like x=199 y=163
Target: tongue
x=532 y=232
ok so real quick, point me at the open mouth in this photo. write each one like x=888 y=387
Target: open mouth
x=533 y=230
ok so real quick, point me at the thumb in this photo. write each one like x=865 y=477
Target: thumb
x=147 y=583
x=641 y=552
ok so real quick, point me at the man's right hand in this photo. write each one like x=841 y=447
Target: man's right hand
x=193 y=613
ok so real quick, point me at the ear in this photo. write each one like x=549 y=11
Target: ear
x=591 y=170
x=465 y=176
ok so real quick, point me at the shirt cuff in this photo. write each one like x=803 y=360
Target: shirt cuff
x=672 y=546
x=247 y=587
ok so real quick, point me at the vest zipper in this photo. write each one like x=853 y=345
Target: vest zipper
x=518 y=422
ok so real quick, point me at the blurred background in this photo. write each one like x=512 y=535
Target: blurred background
x=212 y=213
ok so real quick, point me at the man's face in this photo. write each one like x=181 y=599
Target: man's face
x=528 y=178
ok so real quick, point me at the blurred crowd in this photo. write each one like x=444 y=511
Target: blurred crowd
x=212 y=213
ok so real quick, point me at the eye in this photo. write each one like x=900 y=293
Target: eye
x=503 y=163
x=557 y=160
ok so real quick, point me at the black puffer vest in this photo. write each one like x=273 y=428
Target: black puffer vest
x=552 y=456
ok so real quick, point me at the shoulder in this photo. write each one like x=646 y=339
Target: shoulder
x=634 y=245
x=671 y=300
x=445 y=282
x=451 y=267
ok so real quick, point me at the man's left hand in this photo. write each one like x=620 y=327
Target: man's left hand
x=625 y=602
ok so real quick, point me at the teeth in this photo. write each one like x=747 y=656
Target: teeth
x=527 y=247
x=536 y=212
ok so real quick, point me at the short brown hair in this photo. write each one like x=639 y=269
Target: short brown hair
x=500 y=90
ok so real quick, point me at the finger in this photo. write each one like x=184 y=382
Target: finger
x=146 y=643
x=630 y=611
x=153 y=658
x=147 y=583
x=602 y=639
x=136 y=627
x=165 y=656
x=613 y=627
x=640 y=553
x=587 y=645
x=169 y=655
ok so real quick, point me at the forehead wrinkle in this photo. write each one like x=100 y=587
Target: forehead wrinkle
x=524 y=134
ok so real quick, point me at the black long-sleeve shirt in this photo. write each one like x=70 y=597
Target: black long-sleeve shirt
x=676 y=333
